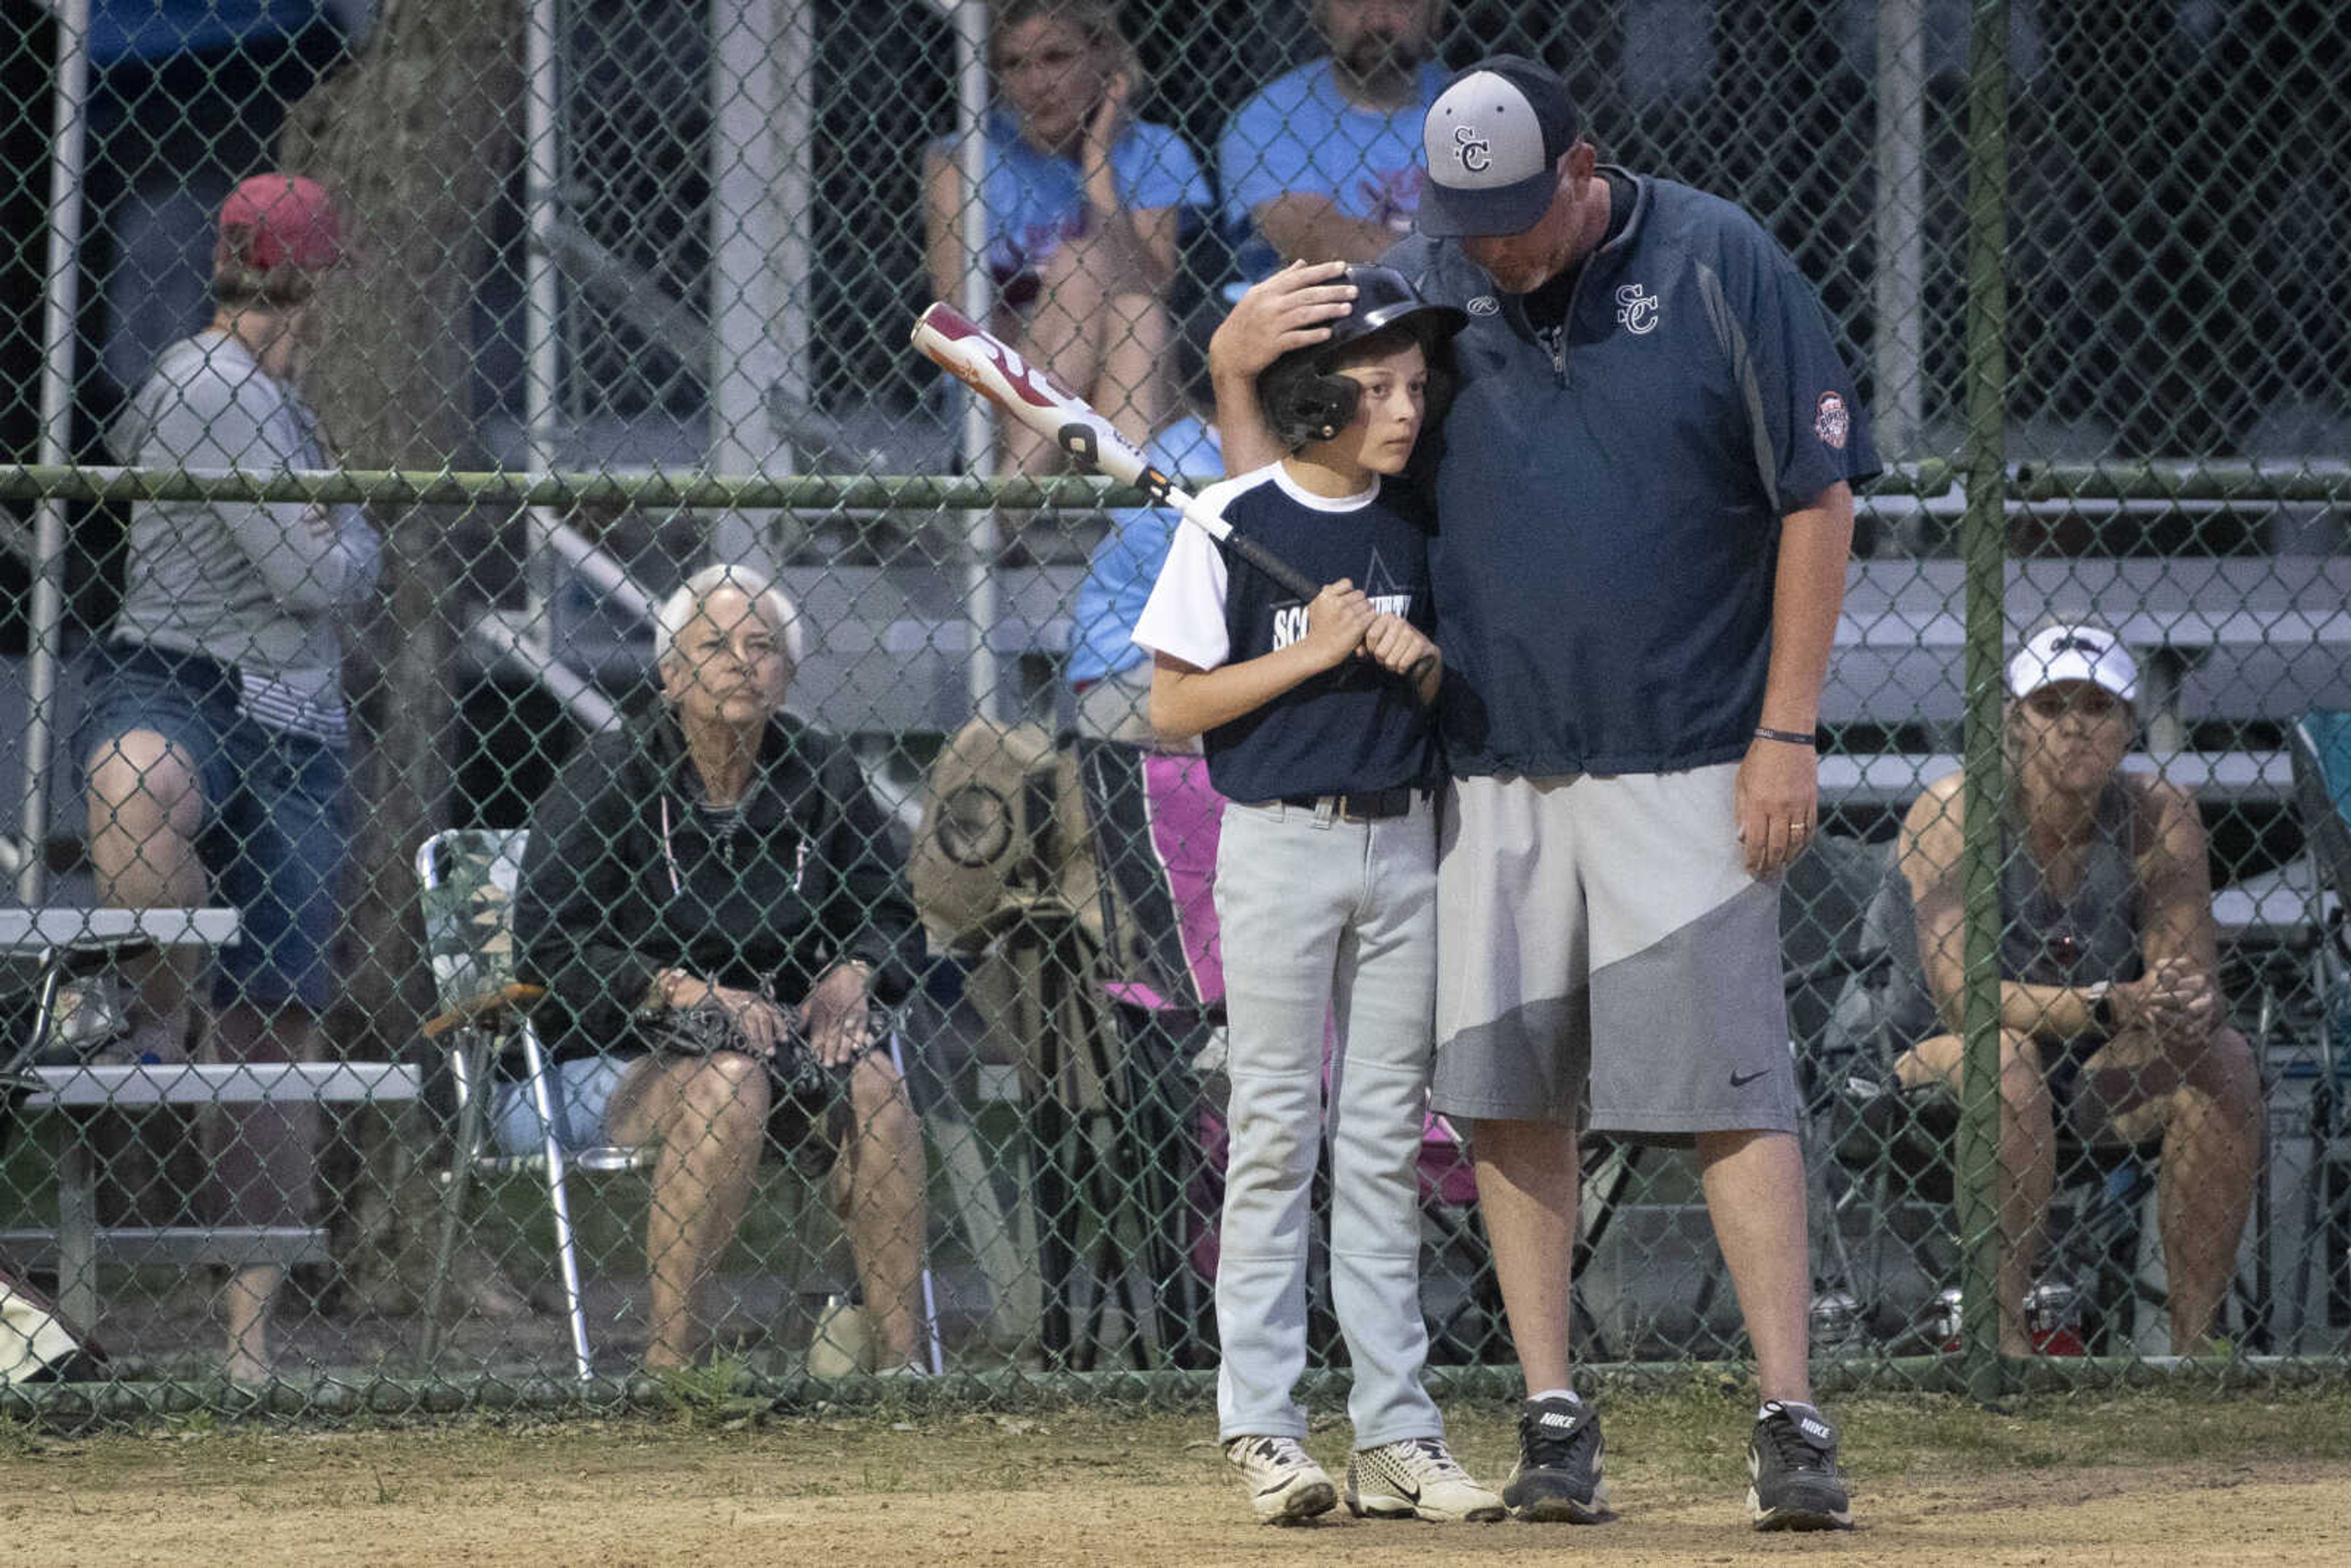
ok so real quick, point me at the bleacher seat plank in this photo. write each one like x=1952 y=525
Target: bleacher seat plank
x=180 y=1246
x=80 y=1246
x=23 y=930
x=2255 y=638
x=140 y=1084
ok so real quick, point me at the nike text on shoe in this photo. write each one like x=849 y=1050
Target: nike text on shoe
x=1794 y=1479
x=1285 y=1485
x=1417 y=1478
x=1558 y=1475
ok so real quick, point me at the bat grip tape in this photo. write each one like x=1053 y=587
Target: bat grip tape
x=1299 y=583
x=1273 y=566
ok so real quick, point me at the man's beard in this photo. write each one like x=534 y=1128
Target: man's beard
x=1375 y=61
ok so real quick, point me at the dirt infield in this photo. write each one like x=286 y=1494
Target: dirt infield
x=2135 y=1479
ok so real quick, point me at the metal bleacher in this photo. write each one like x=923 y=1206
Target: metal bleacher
x=2228 y=647
x=2256 y=638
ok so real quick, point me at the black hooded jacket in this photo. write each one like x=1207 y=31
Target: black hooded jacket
x=623 y=879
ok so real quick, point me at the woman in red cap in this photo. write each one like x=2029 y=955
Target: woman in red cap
x=216 y=741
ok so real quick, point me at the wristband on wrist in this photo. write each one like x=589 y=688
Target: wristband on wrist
x=2102 y=1007
x=1788 y=736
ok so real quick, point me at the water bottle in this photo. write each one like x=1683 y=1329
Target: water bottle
x=1943 y=1325
x=1837 y=1319
x=841 y=1345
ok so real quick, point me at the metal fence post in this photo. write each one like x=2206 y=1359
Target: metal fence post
x=1982 y=547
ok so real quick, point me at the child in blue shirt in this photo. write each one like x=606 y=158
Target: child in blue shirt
x=1111 y=677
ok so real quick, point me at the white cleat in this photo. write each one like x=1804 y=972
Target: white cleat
x=1418 y=1479
x=1285 y=1485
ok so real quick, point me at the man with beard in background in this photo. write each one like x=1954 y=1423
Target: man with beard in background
x=1324 y=163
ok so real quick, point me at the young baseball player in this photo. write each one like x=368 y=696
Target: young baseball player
x=1316 y=724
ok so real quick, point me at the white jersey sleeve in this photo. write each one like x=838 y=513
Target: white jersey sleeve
x=1185 y=617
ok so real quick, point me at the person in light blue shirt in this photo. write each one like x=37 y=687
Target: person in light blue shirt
x=1324 y=163
x=1110 y=674
x=1084 y=205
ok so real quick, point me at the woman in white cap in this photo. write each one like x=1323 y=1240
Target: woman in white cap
x=2110 y=1003
x=213 y=748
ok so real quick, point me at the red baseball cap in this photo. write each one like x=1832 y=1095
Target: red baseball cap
x=280 y=220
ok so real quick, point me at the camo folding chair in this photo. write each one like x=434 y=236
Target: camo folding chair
x=468 y=877
x=1895 y=1148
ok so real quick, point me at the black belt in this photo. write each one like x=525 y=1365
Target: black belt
x=1365 y=806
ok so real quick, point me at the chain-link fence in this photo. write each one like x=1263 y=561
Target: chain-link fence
x=434 y=963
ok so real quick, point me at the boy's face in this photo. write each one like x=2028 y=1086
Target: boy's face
x=1389 y=411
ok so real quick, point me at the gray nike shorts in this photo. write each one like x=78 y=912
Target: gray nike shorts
x=1602 y=954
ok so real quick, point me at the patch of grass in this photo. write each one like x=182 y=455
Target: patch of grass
x=715 y=1395
x=18 y=1438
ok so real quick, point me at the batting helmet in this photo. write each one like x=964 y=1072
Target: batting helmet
x=1305 y=399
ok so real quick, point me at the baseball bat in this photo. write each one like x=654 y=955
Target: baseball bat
x=997 y=371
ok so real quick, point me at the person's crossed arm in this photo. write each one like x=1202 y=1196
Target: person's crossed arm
x=1934 y=834
x=2180 y=997
x=1309 y=227
x=2177 y=997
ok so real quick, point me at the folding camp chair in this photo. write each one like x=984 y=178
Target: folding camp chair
x=1151 y=824
x=469 y=878
x=2321 y=748
x=1893 y=1148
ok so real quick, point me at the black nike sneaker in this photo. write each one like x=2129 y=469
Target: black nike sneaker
x=1794 y=1479
x=1557 y=1480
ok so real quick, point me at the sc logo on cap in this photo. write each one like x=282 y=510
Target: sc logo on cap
x=1474 y=152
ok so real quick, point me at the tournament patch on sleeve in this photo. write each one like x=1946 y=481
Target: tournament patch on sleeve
x=1832 y=420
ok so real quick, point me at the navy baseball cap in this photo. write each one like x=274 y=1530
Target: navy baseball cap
x=1494 y=138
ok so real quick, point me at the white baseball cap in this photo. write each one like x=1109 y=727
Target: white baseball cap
x=2057 y=654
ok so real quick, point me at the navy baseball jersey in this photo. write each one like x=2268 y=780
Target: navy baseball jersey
x=1608 y=495
x=1354 y=728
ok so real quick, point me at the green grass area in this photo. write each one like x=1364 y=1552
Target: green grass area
x=1684 y=1440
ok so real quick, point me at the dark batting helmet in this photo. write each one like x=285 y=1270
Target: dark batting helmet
x=1305 y=399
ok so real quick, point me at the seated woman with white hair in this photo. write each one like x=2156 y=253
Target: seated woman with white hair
x=711 y=900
